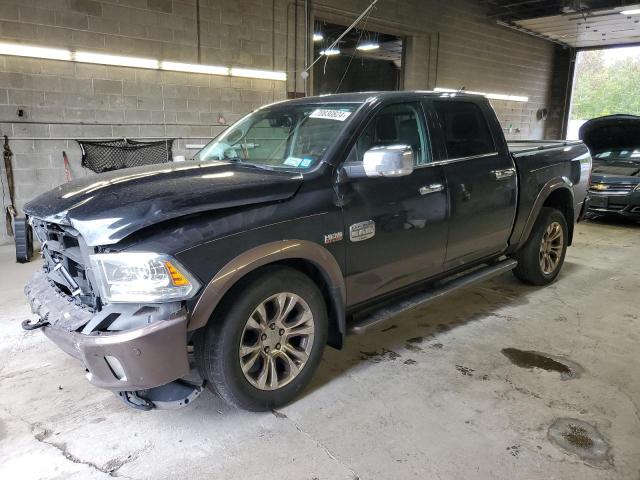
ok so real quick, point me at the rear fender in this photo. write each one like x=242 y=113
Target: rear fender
x=554 y=185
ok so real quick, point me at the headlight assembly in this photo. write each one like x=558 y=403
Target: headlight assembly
x=142 y=277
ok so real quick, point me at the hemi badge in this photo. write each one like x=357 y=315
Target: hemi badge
x=332 y=237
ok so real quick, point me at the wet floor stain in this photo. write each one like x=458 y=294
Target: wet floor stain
x=551 y=363
x=413 y=348
x=580 y=438
x=381 y=355
x=514 y=450
x=465 y=370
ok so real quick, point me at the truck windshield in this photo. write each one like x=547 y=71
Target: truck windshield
x=282 y=136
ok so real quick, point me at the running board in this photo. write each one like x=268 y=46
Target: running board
x=377 y=317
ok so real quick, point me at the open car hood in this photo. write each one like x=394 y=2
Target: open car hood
x=108 y=207
x=611 y=132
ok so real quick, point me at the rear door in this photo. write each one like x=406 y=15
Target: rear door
x=481 y=180
x=396 y=227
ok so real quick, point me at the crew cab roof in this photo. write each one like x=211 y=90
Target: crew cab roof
x=361 y=97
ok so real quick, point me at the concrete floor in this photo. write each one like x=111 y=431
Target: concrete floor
x=430 y=395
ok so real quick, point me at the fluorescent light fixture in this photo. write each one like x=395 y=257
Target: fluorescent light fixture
x=634 y=11
x=17 y=49
x=251 y=73
x=317 y=37
x=501 y=96
x=104 y=59
x=492 y=96
x=20 y=50
x=194 y=68
x=330 y=51
x=368 y=46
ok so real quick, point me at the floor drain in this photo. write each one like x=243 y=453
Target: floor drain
x=579 y=438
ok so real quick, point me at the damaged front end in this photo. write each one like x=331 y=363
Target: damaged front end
x=136 y=350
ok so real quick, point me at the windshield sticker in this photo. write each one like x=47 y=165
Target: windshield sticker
x=328 y=114
x=293 y=162
x=306 y=162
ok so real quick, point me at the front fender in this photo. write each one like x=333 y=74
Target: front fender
x=263 y=255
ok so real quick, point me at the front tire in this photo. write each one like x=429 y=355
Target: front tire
x=264 y=343
x=542 y=256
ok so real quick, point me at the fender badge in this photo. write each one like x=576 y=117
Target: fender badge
x=332 y=237
x=362 y=231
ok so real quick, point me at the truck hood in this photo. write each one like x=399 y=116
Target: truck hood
x=108 y=207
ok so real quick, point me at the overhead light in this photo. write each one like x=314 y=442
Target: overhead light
x=635 y=11
x=368 y=46
x=502 y=96
x=194 y=68
x=492 y=96
x=317 y=37
x=330 y=51
x=251 y=73
x=104 y=59
x=19 y=50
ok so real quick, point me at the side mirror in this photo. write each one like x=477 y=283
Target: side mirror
x=388 y=161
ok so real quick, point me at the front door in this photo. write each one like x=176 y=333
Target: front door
x=396 y=227
x=482 y=183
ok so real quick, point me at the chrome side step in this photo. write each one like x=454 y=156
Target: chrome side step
x=419 y=299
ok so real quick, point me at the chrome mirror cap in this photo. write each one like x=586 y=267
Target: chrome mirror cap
x=389 y=161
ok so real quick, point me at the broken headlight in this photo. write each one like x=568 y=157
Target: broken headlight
x=142 y=277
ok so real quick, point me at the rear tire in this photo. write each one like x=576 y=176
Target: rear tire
x=542 y=256
x=265 y=341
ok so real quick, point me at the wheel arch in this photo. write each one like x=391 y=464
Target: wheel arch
x=310 y=258
x=558 y=194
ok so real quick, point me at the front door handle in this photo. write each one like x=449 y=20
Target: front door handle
x=503 y=174
x=433 y=188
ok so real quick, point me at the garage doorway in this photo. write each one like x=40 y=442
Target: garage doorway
x=363 y=61
x=605 y=82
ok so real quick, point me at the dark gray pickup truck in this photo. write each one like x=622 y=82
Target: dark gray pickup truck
x=305 y=220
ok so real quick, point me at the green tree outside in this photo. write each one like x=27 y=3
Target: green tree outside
x=605 y=88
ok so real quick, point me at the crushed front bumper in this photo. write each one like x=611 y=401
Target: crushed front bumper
x=151 y=353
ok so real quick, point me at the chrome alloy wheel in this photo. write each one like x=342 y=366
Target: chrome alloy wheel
x=276 y=341
x=551 y=247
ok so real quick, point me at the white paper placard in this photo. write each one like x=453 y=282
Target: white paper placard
x=329 y=114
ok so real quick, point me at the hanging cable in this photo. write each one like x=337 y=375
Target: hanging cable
x=353 y=53
x=305 y=72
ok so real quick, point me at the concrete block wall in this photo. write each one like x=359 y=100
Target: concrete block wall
x=62 y=101
x=448 y=45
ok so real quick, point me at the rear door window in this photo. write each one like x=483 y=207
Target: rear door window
x=465 y=129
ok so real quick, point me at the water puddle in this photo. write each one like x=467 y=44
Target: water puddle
x=551 y=363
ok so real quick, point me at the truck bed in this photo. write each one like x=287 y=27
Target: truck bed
x=522 y=147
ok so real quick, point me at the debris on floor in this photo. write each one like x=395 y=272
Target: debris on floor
x=580 y=438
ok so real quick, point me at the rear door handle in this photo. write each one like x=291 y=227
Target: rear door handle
x=433 y=188
x=502 y=174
